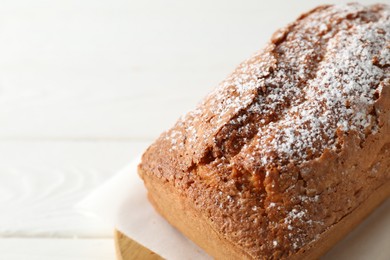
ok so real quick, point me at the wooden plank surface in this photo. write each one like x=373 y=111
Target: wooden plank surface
x=41 y=181
x=86 y=85
x=59 y=248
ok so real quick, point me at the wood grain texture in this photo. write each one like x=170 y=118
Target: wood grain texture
x=40 y=182
x=128 y=249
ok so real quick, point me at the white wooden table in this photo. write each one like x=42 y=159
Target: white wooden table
x=87 y=85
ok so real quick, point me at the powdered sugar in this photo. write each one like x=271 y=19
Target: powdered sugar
x=340 y=96
x=294 y=214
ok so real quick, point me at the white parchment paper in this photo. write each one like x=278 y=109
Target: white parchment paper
x=122 y=202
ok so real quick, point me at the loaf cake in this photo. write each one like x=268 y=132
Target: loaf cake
x=292 y=150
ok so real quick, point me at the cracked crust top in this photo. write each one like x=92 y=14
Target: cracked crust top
x=288 y=131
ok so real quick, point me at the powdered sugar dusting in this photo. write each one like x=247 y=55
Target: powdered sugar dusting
x=339 y=97
x=299 y=104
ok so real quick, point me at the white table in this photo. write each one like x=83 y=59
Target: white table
x=87 y=85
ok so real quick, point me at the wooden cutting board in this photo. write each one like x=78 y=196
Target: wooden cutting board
x=127 y=249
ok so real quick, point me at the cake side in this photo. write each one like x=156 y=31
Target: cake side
x=277 y=154
x=195 y=226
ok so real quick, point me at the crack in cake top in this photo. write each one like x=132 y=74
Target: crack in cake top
x=316 y=80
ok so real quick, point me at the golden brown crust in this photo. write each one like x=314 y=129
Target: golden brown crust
x=336 y=232
x=192 y=223
x=294 y=140
x=174 y=208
